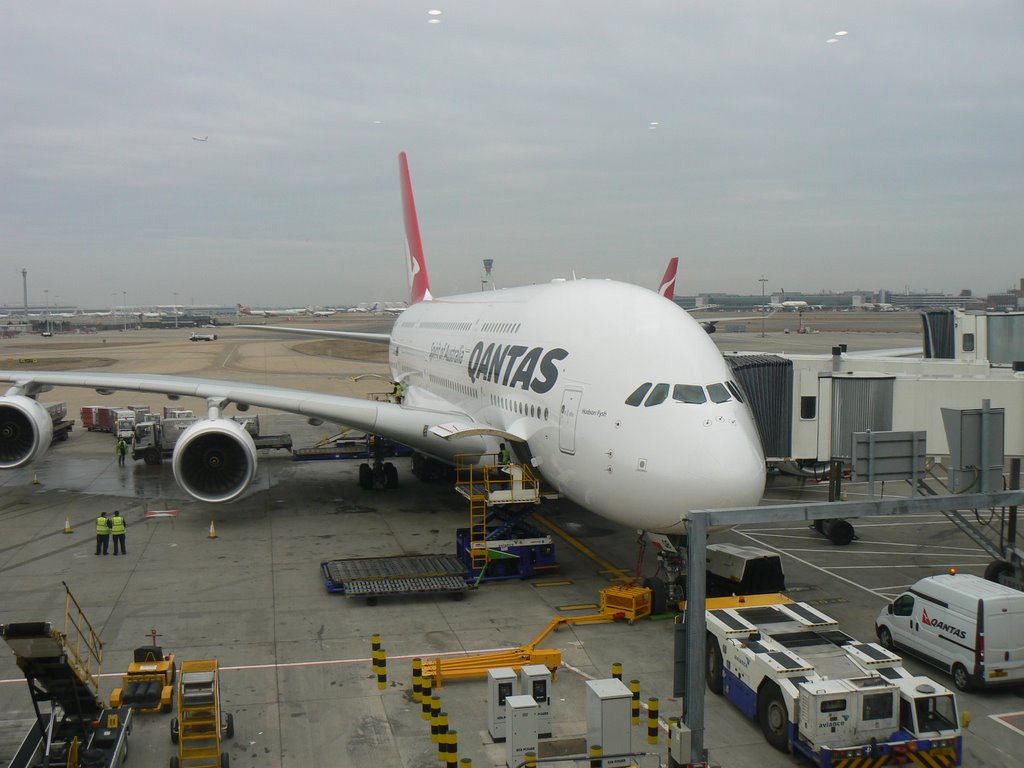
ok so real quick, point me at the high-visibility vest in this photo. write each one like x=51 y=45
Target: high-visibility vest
x=102 y=525
x=116 y=524
x=503 y=456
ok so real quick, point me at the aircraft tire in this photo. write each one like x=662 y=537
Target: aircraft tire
x=659 y=594
x=365 y=477
x=390 y=475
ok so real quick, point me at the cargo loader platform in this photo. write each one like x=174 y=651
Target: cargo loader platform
x=374 y=577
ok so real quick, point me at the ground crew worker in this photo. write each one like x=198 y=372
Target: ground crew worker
x=398 y=392
x=122 y=450
x=503 y=455
x=102 y=534
x=117 y=528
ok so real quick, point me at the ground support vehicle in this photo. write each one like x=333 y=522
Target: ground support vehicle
x=62 y=426
x=154 y=440
x=375 y=577
x=970 y=627
x=149 y=684
x=819 y=693
x=200 y=724
x=72 y=728
x=98 y=418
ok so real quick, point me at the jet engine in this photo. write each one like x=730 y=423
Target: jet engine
x=215 y=460
x=26 y=430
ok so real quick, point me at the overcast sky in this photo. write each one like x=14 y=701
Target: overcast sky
x=892 y=157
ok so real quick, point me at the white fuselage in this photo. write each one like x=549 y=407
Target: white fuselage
x=554 y=364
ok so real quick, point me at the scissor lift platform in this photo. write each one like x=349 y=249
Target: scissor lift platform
x=374 y=577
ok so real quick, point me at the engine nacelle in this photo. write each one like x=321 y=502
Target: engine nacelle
x=26 y=431
x=215 y=460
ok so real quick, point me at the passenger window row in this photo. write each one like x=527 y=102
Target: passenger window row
x=655 y=394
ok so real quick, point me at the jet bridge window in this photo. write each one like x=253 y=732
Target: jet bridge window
x=718 y=393
x=638 y=394
x=689 y=393
x=658 y=395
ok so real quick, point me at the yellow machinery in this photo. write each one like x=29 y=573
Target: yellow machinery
x=199 y=726
x=149 y=684
x=617 y=603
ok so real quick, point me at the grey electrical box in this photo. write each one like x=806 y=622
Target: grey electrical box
x=680 y=745
x=976 y=439
x=608 y=705
x=535 y=681
x=888 y=456
x=521 y=726
x=501 y=683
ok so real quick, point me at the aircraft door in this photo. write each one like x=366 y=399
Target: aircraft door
x=567 y=420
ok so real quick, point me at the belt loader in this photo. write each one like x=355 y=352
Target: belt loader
x=819 y=693
x=149 y=684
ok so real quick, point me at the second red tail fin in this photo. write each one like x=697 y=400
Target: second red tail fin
x=418 y=281
x=668 y=282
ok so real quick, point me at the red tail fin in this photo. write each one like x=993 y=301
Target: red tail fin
x=418 y=280
x=668 y=282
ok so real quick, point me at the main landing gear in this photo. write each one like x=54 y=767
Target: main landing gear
x=379 y=473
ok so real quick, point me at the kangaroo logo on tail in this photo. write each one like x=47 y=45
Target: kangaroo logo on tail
x=668 y=282
x=419 y=283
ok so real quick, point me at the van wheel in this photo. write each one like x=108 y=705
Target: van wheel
x=885 y=638
x=960 y=677
x=773 y=717
x=713 y=673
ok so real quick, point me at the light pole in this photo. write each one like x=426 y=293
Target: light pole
x=46 y=295
x=764 y=309
x=124 y=308
x=175 y=310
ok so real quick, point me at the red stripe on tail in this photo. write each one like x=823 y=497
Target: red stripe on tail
x=418 y=280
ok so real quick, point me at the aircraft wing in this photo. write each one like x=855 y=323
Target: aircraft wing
x=376 y=338
x=215 y=459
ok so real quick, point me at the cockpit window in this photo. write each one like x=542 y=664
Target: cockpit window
x=735 y=389
x=718 y=393
x=689 y=393
x=638 y=394
x=657 y=396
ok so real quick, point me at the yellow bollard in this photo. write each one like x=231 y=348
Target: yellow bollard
x=466 y=762
x=380 y=667
x=417 y=679
x=452 y=759
x=673 y=722
x=595 y=756
x=425 y=695
x=442 y=732
x=530 y=760
x=634 y=705
x=617 y=670
x=375 y=642
x=652 y=720
x=435 y=712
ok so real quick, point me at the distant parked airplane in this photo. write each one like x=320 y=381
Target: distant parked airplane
x=200 y=138
x=269 y=312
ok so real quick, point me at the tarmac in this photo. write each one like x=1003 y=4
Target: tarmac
x=296 y=659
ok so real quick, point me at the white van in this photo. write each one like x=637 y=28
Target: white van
x=970 y=627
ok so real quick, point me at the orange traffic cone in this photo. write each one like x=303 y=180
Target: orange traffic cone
x=213 y=533
x=67 y=525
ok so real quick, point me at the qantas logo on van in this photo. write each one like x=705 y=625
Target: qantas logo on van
x=943 y=626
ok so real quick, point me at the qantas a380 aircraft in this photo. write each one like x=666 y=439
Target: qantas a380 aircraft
x=614 y=395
